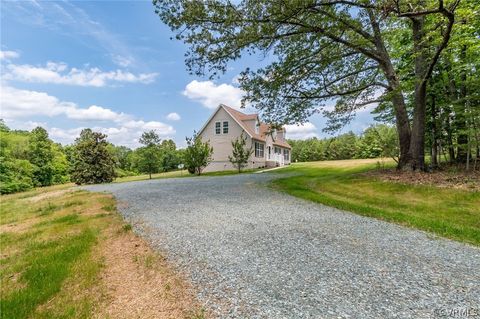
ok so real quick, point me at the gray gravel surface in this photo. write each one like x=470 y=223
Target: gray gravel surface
x=252 y=252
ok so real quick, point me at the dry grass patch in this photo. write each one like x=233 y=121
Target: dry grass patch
x=67 y=254
x=445 y=178
x=139 y=283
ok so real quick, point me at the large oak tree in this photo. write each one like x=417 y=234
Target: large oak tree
x=321 y=50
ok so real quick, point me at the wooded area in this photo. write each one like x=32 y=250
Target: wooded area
x=417 y=61
x=32 y=159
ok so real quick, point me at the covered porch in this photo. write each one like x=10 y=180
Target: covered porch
x=277 y=156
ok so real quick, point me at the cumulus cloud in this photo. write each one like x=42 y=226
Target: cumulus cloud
x=58 y=73
x=17 y=103
x=127 y=135
x=7 y=55
x=301 y=132
x=211 y=95
x=173 y=117
x=24 y=125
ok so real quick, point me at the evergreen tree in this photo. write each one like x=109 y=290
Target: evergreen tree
x=41 y=155
x=92 y=162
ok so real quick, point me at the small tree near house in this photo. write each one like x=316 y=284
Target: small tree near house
x=240 y=152
x=197 y=155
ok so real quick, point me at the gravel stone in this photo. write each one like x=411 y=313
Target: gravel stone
x=252 y=252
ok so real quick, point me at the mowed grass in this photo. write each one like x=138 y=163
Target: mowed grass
x=446 y=212
x=53 y=243
x=176 y=174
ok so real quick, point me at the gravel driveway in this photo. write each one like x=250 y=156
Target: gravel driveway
x=255 y=253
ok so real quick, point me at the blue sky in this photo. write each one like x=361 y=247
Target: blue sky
x=110 y=66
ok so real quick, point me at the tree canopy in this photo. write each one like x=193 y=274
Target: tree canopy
x=197 y=155
x=356 y=52
x=92 y=162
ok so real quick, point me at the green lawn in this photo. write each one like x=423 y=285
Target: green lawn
x=53 y=243
x=446 y=212
x=183 y=173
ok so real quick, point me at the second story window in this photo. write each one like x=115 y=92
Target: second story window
x=225 y=127
x=218 y=128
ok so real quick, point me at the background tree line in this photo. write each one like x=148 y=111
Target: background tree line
x=376 y=141
x=31 y=159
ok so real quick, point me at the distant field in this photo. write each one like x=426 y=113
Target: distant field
x=66 y=253
x=450 y=213
x=173 y=174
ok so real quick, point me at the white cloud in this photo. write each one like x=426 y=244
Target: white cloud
x=17 y=103
x=211 y=95
x=301 y=132
x=94 y=113
x=173 y=117
x=7 y=55
x=24 y=125
x=118 y=135
x=58 y=73
x=122 y=61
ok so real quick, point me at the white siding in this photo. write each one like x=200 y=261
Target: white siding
x=222 y=143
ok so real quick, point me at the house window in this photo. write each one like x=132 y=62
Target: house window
x=218 y=129
x=225 y=127
x=278 y=150
x=259 y=149
x=286 y=155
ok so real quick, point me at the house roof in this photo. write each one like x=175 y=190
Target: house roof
x=240 y=118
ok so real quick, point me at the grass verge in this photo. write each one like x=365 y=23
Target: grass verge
x=67 y=254
x=450 y=213
x=176 y=174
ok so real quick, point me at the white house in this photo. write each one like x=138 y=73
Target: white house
x=226 y=124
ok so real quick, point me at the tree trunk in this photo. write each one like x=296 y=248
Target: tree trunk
x=150 y=175
x=434 y=133
x=394 y=88
x=460 y=118
x=403 y=128
x=417 y=140
x=451 y=150
x=400 y=111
